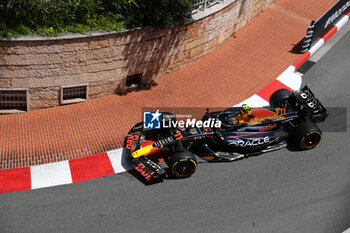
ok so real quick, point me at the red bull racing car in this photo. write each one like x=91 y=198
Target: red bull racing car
x=289 y=120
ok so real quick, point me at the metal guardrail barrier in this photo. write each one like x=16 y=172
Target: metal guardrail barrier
x=319 y=28
x=202 y=5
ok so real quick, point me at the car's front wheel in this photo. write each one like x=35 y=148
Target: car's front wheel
x=182 y=164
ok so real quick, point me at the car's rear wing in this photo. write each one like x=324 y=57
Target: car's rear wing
x=309 y=105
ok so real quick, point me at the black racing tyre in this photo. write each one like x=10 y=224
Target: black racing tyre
x=182 y=164
x=307 y=136
x=279 y=98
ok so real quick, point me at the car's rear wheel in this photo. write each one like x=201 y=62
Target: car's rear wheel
x=280 y=98
x=307 y=136
x=182 y=164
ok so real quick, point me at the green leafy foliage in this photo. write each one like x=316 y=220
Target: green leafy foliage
x=165 y=13
x=53 y=17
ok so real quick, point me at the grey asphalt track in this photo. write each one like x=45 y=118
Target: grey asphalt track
x=282 y=191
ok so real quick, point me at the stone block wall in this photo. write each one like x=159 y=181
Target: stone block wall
x=103 y=62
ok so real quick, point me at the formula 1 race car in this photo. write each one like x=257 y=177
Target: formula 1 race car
x=288 y=121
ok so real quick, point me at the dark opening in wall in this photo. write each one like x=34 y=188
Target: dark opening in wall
x=74 y=94
x=13 y=100
x=134 y=79
x=135 y=82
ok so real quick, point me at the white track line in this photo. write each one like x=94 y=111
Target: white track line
x=118 y=161
x=51 y=174
x=316 y=46
x=342 y=22
x=290 y=78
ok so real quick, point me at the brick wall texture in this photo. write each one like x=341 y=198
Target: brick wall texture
x=104 y=62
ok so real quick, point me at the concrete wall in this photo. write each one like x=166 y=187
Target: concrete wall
x=104 y=61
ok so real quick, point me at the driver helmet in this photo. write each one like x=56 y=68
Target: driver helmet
x=234 y=120
x=246 y=110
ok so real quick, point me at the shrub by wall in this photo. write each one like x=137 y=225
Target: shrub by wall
x=52 y=17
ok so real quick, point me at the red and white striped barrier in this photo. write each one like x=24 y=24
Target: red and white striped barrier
x=112 y=162
x=65 y=172
x=322 y=41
